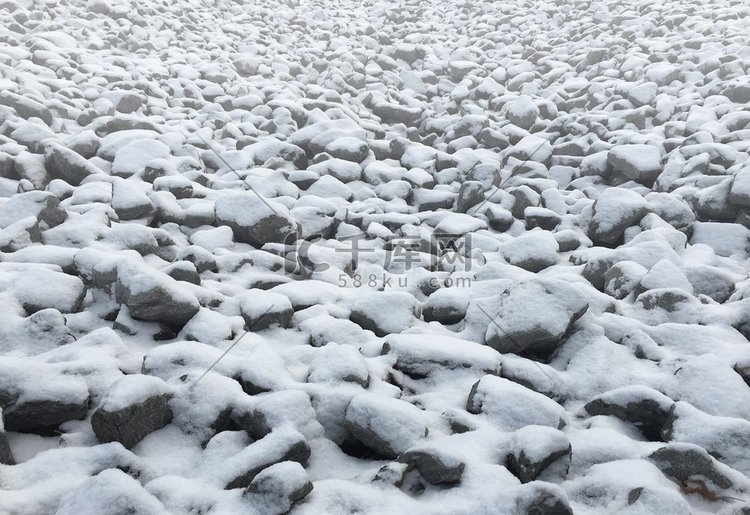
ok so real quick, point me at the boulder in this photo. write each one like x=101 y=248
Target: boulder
x=278 y=487
x=386 y=426
x=68 y=165
x=134 y=407
x=255 y=220
x=615 y=210
x=436 y=466
x=639 y=405
x=536 y=450
x=512 y=406
x=154 y=296
x=534 y=315
x=640 y=163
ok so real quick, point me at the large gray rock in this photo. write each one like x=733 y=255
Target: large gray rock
x=384 y=425
x=37 y=398
x=536 y=450
x=279 y=487
x=42 y=205
x=63 y=163
x=37 y=287
x=642 y=406
x=419 y=355
x=279 y=446
x=130 y=201
x=436 y=466
x=512 y=406
x=394 y=113
x=256 y=221
x=640 y=163
x=725 y=438
x=384 y=312
x=263 y=309
x=615 y=210
x=154 y=296
x=739 y=193
x=26 y=107
x=134 y=407
x=534 y=315
x=691 y=467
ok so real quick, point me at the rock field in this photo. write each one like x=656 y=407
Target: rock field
x=372 y=257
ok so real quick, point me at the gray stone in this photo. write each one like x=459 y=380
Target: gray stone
x=6 y=455
x=623 y=278
x=254 y=220
x=641 y=406
x=537 y=450
x=279 y=487
x=25 y=414
x=436 y=466
x=63 y=163
x=133 y=423
x=154 y=296
x=419 y=355
x=348 y=148
x=470 y=194
x=26 y=107
x=689 y=465
x=541 y=217
x=522 y=327
x=543 y=499
x=42 y=205
x=511 y=406
x=641 y=163
x=275 y=448
x=394 y=113
x=385 y=425
x=615 y=210
x=263 y=309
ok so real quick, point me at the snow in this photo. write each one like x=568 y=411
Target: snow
x=133 y=389
x=165 y=170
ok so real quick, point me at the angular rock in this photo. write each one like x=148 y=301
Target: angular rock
x=539 y=498
x=642 y=406
x=154 y=296
x=263 y=309
x=384 y=312
x=386 y=426
x=691 y=467
x=615 y=210
x=279 y=446
x=37 y=398
x=279 y=487
x=537 y=450
x=511 y=406
x=134 y=407
x=522 y=327
x=26 y=107
x=130 y=201
x=42 y=205
x=419 y=355
x=6 y=455
x=533 y=251
x=436 y=466
x=256 y=221
x=68 y=165
x=641 y=163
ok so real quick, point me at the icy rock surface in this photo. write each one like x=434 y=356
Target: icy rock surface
x=374 y=257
